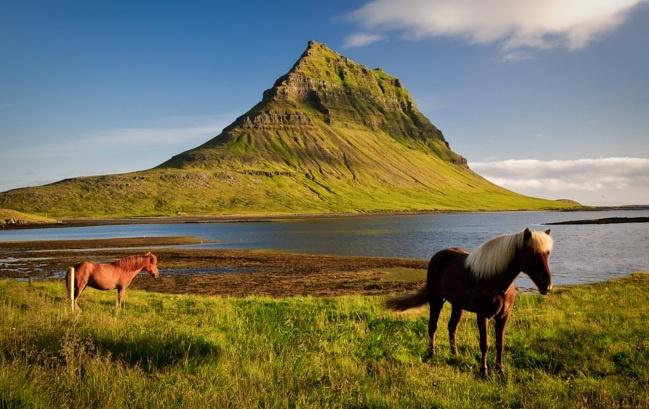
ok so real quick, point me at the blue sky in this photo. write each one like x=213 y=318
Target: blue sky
x=544 y=98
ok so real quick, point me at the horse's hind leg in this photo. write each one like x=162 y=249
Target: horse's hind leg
x=435 y=308
x=456 y=316
x=120 y=298
x=79 y=286
x=501 y=322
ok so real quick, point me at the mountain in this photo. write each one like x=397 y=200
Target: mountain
x=330 y=136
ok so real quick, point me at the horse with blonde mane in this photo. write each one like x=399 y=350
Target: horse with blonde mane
x=482 y=282
x=117 y=275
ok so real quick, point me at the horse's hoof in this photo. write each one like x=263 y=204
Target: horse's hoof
x=484 y=372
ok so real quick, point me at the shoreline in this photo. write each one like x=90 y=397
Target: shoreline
x=606 y=220
x=270 y=218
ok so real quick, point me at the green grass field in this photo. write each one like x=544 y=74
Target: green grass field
x=585 y=346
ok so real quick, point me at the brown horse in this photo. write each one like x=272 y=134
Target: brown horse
x=117 y=275
x=482 y=282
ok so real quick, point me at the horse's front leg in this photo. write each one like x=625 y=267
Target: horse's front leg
x=501 y=322
x=483 y=324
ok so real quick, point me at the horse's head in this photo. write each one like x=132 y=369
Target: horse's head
x=533 y=258
x=151 y=265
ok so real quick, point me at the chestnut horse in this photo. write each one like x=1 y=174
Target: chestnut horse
x=482 y=282
x=110 y=276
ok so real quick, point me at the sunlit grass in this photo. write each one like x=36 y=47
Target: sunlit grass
x=585 y=346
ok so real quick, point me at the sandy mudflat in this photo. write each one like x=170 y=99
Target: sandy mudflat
x=218 y=271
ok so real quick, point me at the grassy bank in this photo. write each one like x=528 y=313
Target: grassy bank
x=12 y=217
x=584 y=346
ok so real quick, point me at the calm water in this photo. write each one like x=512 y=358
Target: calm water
x=583 y=253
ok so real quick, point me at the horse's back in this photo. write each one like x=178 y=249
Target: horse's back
x=446 y=271
x=84 y=267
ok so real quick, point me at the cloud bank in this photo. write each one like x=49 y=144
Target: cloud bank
x=511 y=23
x=606 y=181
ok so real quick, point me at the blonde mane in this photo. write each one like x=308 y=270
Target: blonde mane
x=493 y=256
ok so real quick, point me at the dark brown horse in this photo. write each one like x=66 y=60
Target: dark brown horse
x=117 y=275
x=482 y=282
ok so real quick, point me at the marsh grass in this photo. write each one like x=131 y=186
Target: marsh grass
x=585 y=346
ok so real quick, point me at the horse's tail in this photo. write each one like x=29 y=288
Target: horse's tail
x=406 y=302
x=424 y=295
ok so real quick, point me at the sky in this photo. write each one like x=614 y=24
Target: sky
x=548 y=98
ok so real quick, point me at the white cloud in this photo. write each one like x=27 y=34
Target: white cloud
x=591 y=181
x=145 y=136
x=511 y=23
x=515 y=55
x=361 y=40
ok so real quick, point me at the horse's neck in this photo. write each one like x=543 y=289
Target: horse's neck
x=501 y=282
x=130 y=274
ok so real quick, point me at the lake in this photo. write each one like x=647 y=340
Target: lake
x=583 y=253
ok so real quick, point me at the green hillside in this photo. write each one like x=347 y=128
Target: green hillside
x=330 y=136
x=12 y=217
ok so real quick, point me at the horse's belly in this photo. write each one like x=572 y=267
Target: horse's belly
x=102 y=283
x=483 y=304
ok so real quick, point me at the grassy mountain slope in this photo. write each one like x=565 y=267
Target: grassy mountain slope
x=330 y=136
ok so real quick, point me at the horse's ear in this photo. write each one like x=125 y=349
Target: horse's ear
x=547 y=232
x=527 y=234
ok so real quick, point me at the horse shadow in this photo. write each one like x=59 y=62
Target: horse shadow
x=570 y=352
x=149 y=351
x=566 y=352
x=152 y=352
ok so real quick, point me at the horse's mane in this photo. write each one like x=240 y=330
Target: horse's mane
x=130 y=263
x=493 y=256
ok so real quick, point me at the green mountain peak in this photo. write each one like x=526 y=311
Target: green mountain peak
x=324 y=89
x=331 y=135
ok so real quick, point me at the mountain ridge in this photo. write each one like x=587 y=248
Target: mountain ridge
x=333 y=88
x=330 y=136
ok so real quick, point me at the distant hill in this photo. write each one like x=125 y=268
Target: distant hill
x=330 y=136
x=9 y=217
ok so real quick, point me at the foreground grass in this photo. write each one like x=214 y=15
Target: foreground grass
x=581 y=347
